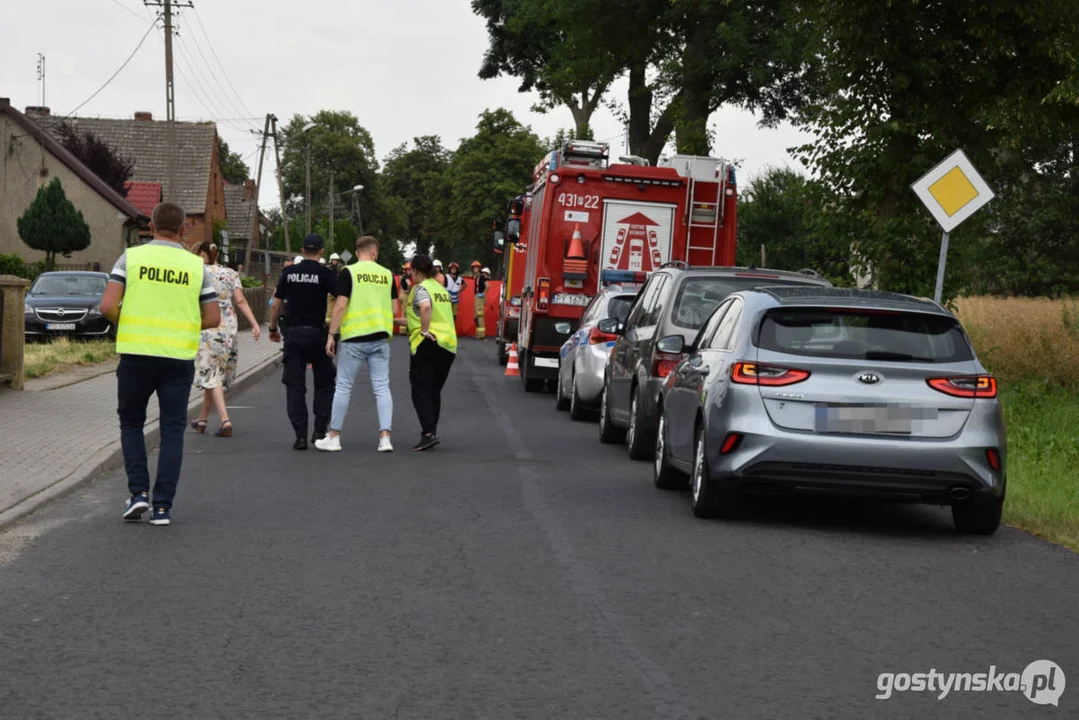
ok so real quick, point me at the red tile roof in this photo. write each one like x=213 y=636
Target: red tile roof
x=143 y=195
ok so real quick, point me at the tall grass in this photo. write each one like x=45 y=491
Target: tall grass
x=1032 y=347
x=41 y=359
x=1021 y=339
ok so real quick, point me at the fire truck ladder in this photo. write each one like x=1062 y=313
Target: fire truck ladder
x=705 y=216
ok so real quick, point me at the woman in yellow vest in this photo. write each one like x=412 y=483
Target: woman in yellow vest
x=168 y=298
x=433 y=341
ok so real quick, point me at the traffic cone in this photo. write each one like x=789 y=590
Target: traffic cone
x=575 y=266
x=511 y=366
x=576 y=245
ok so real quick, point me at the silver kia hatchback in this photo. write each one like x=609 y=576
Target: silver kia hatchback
x=833 y=391
x=584 y=355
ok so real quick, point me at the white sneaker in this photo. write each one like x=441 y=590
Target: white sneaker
x=384 y=444
x=329 y=444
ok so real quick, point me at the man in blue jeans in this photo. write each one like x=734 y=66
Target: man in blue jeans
x=367 y=302
x=161 y=297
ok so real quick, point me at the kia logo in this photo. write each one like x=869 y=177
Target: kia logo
x=869 y=378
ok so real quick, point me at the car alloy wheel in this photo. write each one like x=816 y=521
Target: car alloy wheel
x=608 y=434
x=631 y=433
x=698 y=468
x=576 y=408
x=561 y=401
x=661 y=444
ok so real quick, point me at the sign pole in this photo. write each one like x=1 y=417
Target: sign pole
x=938 y=293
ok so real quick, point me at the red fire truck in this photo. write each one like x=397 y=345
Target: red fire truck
x=514 y=251
x=593 y=223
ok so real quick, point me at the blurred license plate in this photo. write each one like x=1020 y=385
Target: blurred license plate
x=893 y=419
x=545 y=362
x=570 y=299
x=59 y=326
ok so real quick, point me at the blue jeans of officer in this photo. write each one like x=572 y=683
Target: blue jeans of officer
x=137 y=378
x=351 y=358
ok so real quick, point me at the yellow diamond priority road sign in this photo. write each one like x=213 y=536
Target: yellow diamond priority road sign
x=953 y=191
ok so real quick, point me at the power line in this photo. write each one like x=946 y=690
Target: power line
x=113 y=77
x=126 y=9
x=219 y=64
x=224 y=96
x=216 y=112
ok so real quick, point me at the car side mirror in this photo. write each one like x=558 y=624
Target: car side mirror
x=500 y=239
x=513 y=230
x=672 y=345
x=610 y=326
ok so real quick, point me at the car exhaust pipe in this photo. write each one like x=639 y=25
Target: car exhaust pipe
x=959 y=493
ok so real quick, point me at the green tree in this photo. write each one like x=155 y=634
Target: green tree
x=539 y=41
x=340 y=146
x=781 y=211
x=113 y=168
x=416 y=183
x=233 y=168
x=902 y=85
x=487 y=169
x=684 y=59
x=52 y=224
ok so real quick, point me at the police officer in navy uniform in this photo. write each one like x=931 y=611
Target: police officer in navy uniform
x=306 y=286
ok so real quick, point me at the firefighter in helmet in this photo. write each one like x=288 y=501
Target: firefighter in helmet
x=454 y=283
x=479 y=286
x=439 y=275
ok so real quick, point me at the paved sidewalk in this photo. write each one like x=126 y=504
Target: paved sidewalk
x=51 y=440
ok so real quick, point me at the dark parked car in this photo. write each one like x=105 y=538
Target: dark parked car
x=833 y=391
x=676 y=300
x=67 y=303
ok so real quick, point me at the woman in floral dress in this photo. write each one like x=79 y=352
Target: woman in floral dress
x=215 y=366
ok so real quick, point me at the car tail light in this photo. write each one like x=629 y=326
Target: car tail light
x=730 y=443
x=596 y=337
x=971 y=386
x=994 y=458
x=543 y=294
x=664 y=363
x=751 y=373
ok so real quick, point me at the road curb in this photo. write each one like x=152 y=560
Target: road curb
x=111 y=458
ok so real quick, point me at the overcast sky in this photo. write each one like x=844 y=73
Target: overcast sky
x=404 y=67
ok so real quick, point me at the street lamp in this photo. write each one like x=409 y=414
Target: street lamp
x=307 y=128
x=356 y=205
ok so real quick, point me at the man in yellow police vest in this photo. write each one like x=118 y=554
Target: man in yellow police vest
x=363 y=314
x=168 y=298
x=433 y=340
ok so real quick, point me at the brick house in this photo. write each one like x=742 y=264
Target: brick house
x=29 y=159
x=199 y=183
x=242 y=215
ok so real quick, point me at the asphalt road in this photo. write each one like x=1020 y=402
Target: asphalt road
x=520 y=569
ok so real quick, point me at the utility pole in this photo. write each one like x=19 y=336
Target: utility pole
x=331 y=211
x=280 y=182
x=307 y=166
x=170 y=91
x=41 y=76
x=258 y=184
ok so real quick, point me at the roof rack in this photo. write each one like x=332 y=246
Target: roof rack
x=585 y=152
x=809 y=271
x=680 y=264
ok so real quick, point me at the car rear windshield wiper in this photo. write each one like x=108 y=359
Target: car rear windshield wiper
x=901 y=357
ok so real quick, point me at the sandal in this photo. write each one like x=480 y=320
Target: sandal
x=225 y=430
x=198 y=426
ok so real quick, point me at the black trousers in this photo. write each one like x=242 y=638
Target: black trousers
x=307 y=346
x=137 y=378
x=428 y=370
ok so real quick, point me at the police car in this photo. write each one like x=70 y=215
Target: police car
x=583 y=356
